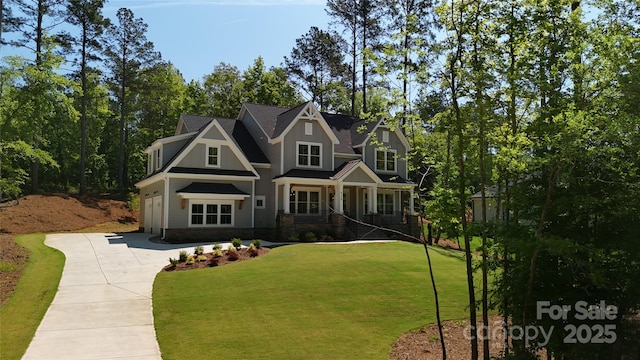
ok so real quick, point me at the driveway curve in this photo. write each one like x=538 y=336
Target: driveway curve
x=103 y=308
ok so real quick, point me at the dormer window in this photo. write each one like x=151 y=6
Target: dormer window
x=158 y=159
x=213 y=156
x=386 y=160
x=309 y=154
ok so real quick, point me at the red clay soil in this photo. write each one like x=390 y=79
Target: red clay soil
x=49 y=213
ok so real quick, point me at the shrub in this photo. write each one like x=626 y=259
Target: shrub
x=326 y=237
x=236 y=242
x=217 y=247
x=201 y=257
x=199 y=250
x=217 y=253
x=183 y=255
x=232 y=254
x=294 y=237
x=252 y=250
x=191 y=260
x=257 y=243
x=310 y=237
x=214 y=261
x=174 y=262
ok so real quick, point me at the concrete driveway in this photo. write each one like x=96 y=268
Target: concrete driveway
x=103 y=308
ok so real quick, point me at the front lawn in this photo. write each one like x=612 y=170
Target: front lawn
x=306 y=302
x=22 y=313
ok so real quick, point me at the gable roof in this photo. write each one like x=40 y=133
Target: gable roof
x=234 y=128
x=285 y=119
x=265 y=115
x=199 y=135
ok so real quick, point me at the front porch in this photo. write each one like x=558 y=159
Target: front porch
x=337 y=209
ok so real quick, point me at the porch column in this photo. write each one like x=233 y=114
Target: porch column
x=374 y=200
x=285 y=197
x=339 y=204
x=411 y=204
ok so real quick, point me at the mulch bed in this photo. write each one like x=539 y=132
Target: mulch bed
x=212 y=261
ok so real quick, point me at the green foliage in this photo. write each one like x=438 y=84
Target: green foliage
x=173 y=262
x=310 y=237
x=201 y=258
x=294 y=237
x=232 y=253
x=198 y=250
x=236 y=242
x=133 y=202
x=252 y=250
x=183 y=255
x=217 y=253
x=190 y=260
x=217 y=246
x=22 y=313
x=312 y=275
x=257 y=243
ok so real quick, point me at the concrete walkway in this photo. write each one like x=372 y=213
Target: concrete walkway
x=103 y=308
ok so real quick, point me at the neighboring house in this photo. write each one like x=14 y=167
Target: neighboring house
x=491 y=201
x=273 y=172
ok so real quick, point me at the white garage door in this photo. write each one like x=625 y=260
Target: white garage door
x=156 y=223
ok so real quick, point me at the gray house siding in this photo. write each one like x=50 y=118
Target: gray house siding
x=169 y=150
x=180 y=216
x=395 y=144
x=297 y=134
x=265 y=217
x=196 y=158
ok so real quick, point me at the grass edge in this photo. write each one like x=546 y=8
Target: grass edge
x=22 y=313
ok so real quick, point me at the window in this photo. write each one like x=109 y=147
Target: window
x=385 y=136
x=308 y=128
x=385 y=204
x=158 y=159
x=261 y=202
x=150 y=163
x=385 y=160
x=213 y=158
x=309 y=154
x=304 y=202
x=211 y=214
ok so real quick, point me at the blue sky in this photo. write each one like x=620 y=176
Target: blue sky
x=196 y=35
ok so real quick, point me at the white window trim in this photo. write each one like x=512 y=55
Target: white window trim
x=204 y=214
x=158 y=159
x=386 y=155
x=308 y=190
x=309 y=144
x=383 y=202
x=206 y=157
x=308 y=128
x=264 y=201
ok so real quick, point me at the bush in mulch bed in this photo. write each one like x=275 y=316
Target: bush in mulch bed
x=218 y=258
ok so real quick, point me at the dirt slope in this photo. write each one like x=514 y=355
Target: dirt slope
x=51 y=213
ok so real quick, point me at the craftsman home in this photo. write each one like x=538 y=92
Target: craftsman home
x=274 y=172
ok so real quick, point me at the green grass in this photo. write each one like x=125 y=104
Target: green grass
x=22 y=313
x=306 y=302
